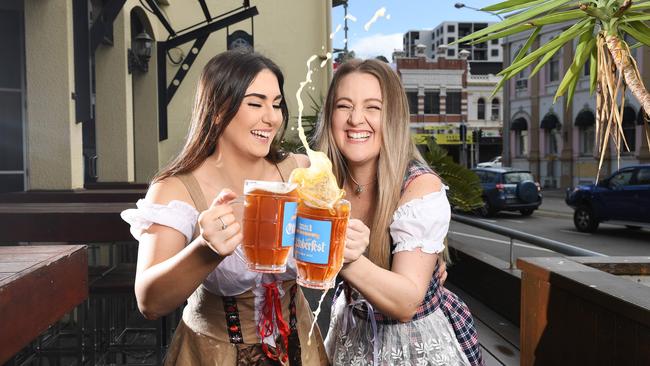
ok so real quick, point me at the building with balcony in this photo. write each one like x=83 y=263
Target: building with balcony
x=557 y=141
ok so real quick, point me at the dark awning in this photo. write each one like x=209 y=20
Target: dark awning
x=585 y=118
x=519 y=124
x=550 y=122
x=629 y=116
x=640 y=117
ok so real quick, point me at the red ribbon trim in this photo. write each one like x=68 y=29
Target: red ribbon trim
x=271 y=307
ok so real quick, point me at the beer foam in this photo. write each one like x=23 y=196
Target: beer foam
x=273 y=187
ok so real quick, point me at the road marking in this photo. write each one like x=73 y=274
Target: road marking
x=516 y=221
x=575 y=232
x=501 y=241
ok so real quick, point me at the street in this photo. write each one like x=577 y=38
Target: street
x=554 y=220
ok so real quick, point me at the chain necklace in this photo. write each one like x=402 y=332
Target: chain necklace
x=360 y=187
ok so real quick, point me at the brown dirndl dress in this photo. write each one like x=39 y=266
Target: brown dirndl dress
x=219 y=330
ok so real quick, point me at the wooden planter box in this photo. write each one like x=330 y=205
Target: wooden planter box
x=585 y=311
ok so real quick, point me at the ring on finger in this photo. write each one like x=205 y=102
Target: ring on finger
x=223 y=224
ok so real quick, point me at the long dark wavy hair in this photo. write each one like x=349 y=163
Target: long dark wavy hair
x=219 y=94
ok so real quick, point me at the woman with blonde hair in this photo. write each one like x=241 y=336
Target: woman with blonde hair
x=389 y=311
x=189 y=234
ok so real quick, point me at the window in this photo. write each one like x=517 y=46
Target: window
x=494 y=116
x=413 y=102
x=452 y=103
x=495 y=41
x=451 y=52
x=643 y=177
x=450 y=39
x=494 y=53
x=621 y=179
x=479 y=55
x=629 y=129
x=521 y=143
x=432 y=103
x=521 y=84
x=521 y=80
x=552 y=141
x=451 y=28
x=587 y=69
x=587 y=137
x=12 y=97
x=481 y=109
x=554 y=68
x=491 y=177
x=517 y=177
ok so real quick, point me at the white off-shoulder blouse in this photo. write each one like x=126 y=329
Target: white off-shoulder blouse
x=422 y=223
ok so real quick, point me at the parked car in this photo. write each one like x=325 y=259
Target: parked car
x=507 y=189
x=494 y=163
x=621 y=199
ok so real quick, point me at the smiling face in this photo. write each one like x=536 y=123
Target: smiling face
x=258 y=118
x=356 y=118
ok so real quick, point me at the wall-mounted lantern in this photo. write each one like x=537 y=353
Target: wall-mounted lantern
x=140 y=53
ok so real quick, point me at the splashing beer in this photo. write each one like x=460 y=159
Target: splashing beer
x=322 y=214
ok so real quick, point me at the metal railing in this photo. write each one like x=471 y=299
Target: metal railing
x=550 y=244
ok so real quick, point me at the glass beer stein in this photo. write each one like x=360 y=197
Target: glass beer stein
x=319 y=243
x=269 y=224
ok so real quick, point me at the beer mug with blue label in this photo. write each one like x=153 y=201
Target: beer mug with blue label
x=319 y=243
x=269 y=224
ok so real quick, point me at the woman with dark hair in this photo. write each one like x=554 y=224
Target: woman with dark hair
x=189 y=234
x=390 y=309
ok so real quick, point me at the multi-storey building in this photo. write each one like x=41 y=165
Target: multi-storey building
x=484 y=57
x=556 y=141
x=102 y=90
x=445 y=94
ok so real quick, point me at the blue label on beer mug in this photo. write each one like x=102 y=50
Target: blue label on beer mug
x=289 y=223
x=313 y=241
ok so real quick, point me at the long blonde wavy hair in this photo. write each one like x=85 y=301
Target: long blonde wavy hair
x=396 y=152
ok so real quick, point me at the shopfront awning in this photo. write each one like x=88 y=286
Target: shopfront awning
x=585 y=119
x=519 y=124
x=550 y=122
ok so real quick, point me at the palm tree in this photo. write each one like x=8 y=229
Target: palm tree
x=465 y=191
x=600 y=26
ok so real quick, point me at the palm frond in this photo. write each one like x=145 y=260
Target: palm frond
x=464 y=186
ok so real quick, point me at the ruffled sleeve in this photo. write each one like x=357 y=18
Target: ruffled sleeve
x=422 y=223
x=177 y=215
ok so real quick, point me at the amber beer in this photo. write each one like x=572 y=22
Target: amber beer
x=269 y=224
x=319 y=243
